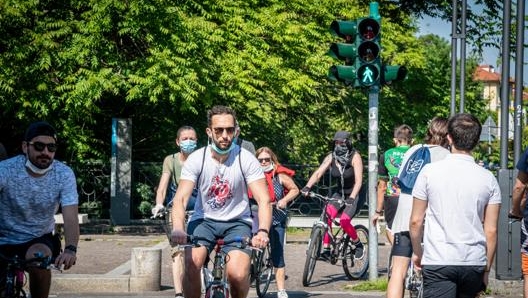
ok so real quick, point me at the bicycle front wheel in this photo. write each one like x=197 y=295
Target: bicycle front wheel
x=312 y=253
x=355 y=268
x=265 y=269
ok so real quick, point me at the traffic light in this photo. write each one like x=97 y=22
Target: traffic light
x=361 y=52
x=369 y=52
x=344 y=51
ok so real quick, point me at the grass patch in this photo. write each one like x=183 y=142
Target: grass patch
x=379 y=285
x=294 y=230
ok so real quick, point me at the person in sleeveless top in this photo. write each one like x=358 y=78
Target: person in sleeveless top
x=345 y=165
x=282 y=190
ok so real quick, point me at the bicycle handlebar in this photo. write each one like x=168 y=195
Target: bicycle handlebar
x=326 y=199
x=39 y=261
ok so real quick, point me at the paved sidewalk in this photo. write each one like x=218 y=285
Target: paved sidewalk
x=104 y=264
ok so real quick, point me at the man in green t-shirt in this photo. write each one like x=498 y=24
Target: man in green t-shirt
x=389 y=165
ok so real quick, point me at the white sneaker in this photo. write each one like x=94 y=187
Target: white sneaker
x=282 y=294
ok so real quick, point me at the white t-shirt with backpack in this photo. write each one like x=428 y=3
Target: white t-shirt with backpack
x=403 y=212
x=222 y=189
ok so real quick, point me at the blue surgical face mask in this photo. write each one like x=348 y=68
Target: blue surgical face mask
x=221 y=151
x=187 y=146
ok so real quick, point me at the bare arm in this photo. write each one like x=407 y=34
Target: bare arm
x=357 y=164
x=161 y=192
x=289 y=184
x=518 y=193
x=491 y=221
x=71 y=237
x=71 y=225
x=183 y=193
x=316 y=176
x=382 y=188
x=259 y=189
x=416 y=225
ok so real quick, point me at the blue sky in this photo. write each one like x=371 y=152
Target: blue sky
x=442 y=28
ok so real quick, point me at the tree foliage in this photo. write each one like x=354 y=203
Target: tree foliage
x=79 y=64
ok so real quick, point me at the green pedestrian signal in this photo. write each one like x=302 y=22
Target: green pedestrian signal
x=369 y=52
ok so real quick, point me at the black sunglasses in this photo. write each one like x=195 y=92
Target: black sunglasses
x=266 y=159
x=39 y=146
x=220 y=130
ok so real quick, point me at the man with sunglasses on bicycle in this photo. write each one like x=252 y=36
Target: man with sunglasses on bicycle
x=223 y=173
x=32 y=186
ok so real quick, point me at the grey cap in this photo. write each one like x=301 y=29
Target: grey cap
x=341 y=135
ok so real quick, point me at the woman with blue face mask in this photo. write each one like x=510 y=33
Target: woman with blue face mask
x=172 y=165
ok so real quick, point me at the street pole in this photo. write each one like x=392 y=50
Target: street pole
x=373 y=131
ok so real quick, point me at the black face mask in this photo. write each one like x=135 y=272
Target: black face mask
x=341 y=150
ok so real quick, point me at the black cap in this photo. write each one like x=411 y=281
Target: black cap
x=40 y=128
x=341 y=135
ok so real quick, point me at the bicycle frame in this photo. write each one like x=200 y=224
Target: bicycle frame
x=342 y=247
x=15 y=278
x=217 y=285
x=335 y=233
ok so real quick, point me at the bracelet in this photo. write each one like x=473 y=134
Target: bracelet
x=71 y=248
x=263 y=230
x=380 y=212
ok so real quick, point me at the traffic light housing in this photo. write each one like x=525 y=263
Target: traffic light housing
x=346 y=51
x=391 y=73
x=369 y=52
x=360 y=51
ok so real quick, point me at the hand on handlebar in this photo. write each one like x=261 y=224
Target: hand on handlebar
x=156 y=211
x=179 y=236
x=305 y=191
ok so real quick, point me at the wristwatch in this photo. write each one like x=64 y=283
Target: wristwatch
x=380 y=212
x=71 y=248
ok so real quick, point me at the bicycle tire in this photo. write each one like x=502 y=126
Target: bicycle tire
x=356 y=268
x=265 y=269
x=312 y=253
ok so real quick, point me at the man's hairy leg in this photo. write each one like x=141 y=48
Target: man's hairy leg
x=194 y=260
x=238 y=273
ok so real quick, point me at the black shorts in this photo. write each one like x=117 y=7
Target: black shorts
x=402 y=246
x=390 y=205
x=453 y=281
x=50 y=240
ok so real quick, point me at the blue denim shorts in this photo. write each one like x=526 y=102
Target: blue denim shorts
x=213 y=229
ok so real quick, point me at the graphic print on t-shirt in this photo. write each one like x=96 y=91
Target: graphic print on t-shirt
x=219 y=192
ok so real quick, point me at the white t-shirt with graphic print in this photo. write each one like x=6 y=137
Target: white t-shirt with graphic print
x=222 y=191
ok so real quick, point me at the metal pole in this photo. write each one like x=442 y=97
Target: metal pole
x=454 y=35
x=519 y=58
x=373 y=132
x=463 y=57
x=505 y=84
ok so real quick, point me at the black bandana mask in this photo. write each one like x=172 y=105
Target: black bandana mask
x=341 y=154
